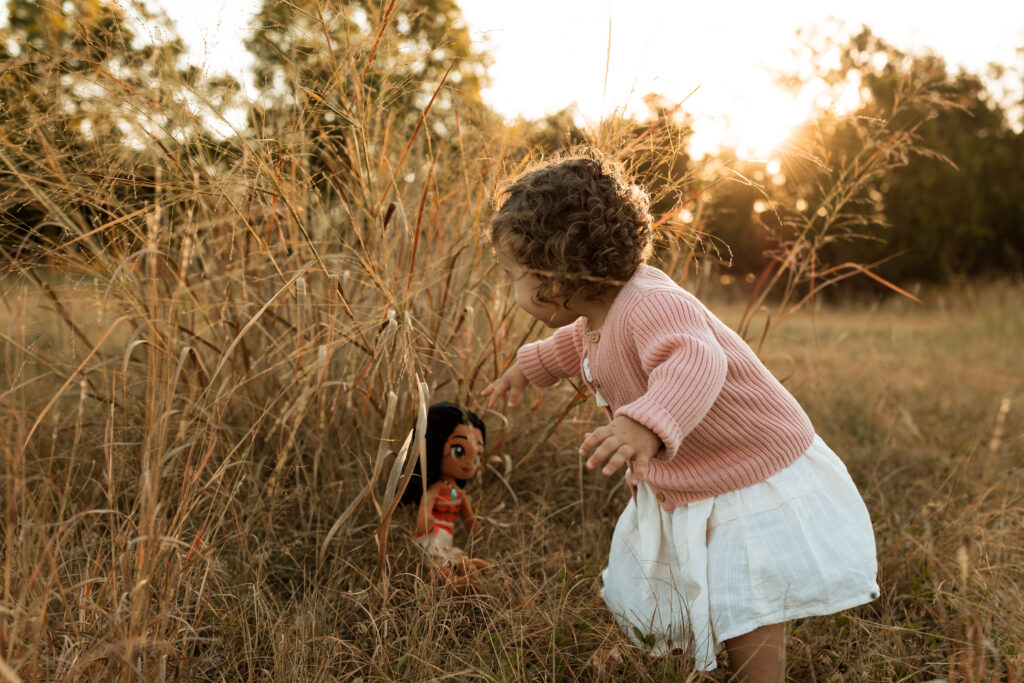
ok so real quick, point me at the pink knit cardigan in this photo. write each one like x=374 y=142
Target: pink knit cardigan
x=663 y=359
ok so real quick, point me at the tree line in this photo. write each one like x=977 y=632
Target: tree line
x=923 y=180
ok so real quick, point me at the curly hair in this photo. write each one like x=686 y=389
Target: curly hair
x=574 y=221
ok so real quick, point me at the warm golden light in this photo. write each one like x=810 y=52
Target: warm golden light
x=757 y=129
x=602 y=57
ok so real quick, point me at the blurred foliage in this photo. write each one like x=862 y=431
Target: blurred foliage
x=323 y=70
x=326 y=58
x=301 y=43
x=952 y=208
x=957 y=211
x=75 y=73
x=960 y=218
x=84 y=88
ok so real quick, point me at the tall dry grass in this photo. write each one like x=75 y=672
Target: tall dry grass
x=211 y=369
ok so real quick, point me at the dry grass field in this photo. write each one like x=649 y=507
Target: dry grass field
x=212 y=560
x=923 y=403
x=212 y=353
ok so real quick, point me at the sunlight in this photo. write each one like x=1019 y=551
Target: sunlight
x=757 y=121
x=756 y=131
x=763 y=117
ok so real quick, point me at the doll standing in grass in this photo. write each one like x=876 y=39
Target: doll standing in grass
x=741 y=518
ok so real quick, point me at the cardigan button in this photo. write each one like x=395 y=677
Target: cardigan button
x=660 y=497
x=594 y=337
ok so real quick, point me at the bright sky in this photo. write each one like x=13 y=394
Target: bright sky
x=549 y=54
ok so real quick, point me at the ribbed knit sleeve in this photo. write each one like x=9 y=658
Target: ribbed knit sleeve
x=685 y=364
x=549 y=360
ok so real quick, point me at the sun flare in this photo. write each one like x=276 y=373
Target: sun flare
x=758 y=121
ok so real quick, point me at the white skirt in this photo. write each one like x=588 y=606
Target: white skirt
x=795 y=545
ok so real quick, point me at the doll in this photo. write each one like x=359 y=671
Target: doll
x=455 y=444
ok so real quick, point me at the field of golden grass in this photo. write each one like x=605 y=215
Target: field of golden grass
x=214 y=560
x=923 y=404
x=212 y=352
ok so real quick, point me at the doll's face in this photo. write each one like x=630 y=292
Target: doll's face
x=462 y=452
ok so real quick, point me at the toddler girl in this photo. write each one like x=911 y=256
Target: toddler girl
x=741 y=518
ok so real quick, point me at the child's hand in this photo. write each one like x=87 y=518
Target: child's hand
x=619 y=442
x=511 y=384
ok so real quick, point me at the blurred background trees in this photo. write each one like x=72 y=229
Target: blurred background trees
x=951 y=208
x=324 y=69
x=410 y=56
x=956 y=208
x=298 y=43
x=85 y=87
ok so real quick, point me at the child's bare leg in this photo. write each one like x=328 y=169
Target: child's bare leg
x=758 y=656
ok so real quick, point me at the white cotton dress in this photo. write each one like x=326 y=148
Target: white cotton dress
x=797 y=544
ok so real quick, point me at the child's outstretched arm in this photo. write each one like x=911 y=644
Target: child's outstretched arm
x=541 y=363
x=686 y=369
x=510 y=384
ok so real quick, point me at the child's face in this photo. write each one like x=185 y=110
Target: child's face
x=462 y=452
x=526 y=285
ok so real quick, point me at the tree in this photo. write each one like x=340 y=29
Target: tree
x=400 y=52
x=353 y=91
x=952 y=209
x=81 y=98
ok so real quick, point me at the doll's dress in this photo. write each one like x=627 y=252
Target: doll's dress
x=439 y=540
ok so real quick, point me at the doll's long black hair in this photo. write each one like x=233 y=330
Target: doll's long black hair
x=442 y=419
